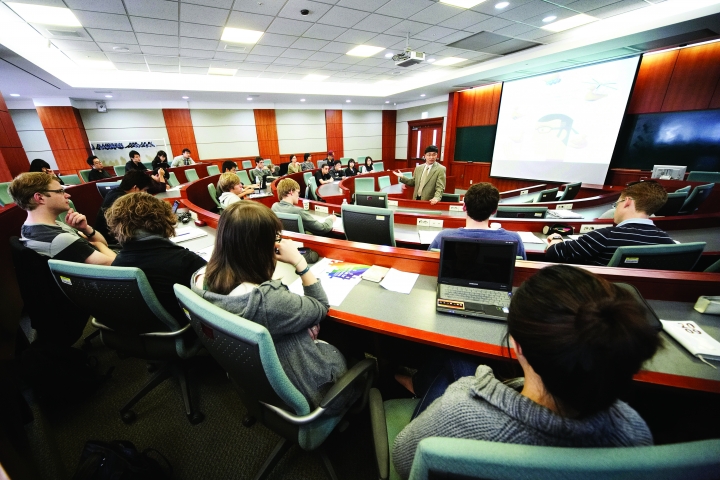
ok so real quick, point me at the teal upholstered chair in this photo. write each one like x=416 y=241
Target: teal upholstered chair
x=360 y=160
x=105 y=187
x=148 y=165
x=244 y=178
x=213 y=194
x=320 y=163
x=70 y=179
x=371 y=199
x=549 y=195
x=570 y=192
x=5 y=197
x=685 y=189
x=368 y=224
x=450 y=197
x=291 y=222
x=383 y=182
x=311 y=188
x=247 y=164
x=387 y=420
x=680 y=256
x=306 y=176
x=696 y=198
x=85 y=174
x=252 y=176
x=133 y=322
x=364 y=184
x=714 y=268
x=377 y=166
x=698 y=176
x=521 y=212
x=173 y=180
x=246 y=351
x=674 y=203
x=407 y=174
x=191 y=175
x=213 y=170
x=119 y=170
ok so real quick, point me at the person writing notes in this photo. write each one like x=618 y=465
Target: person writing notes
x=428 y=178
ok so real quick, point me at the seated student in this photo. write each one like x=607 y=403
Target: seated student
x=231 y=189
x=579 y=340
x=307 y=163
x=158 y=183
x=43 y=198
x=143 y=225
x=368 y=167
x=183 y=159
x=229 y=166
x=289 y=194
x=294 y=166
x=633 y=228
x=242 y=284
x=480 y=202
x=323 y=175
x=97 y=172
x=261 y=171
x=337 y=171
x=39 y=165
x=133 y=181
x=330 y=159
x=160 y=162
x=351 y=169
x=135 y=162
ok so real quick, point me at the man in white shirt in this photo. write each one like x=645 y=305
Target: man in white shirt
x=428 y=178
x=183 y=159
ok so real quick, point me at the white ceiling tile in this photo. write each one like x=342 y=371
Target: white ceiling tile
x=366 y=5
x=344 y=74
x=160 y=50
x=324 y=57
x=534 y=34
x=199 y=43
x=342 y=17
x=288 y=61
x=277 y=40
x=79 y=55
x=489 y=25
x=415 y=44
x=357 y=68
x=348 y=60
x=514 y=30
x=436 y=13
x=157 y=40
x=266 y=7
x=164 y=68
x=75 y=45
x=355 y=37
x=159 y=60
x=617 y=8
x=434 y=34
x=256 y=67
x=313 y=64
x=385 y=41
x=230 y=56
x=104 y=21
x=112 y=36
x=433 y=48
x=192 y=53
x=374 y=62
x=377 y=23
x=203 y=15
x=271 y=75
x=528 y=10
x=107 y=6
x=402 y=28
x=249 y=21
x=363 y=76
x=286 y=26
x=260 y=58
x=453 y=52
x=194 y=62
x=195 y=30
x=278 y=68
x=324 y=32
x=335 y=66
x=161 y=9
x=455 y=37
x=151 y=25
x=337 y=47
x=194 y=70
x=212 y=3
x=303 y=70
x=109 y=47
x=584 y=6
x=309 y=44
x=293 y=53
x=292 y=10
x=488 y=8
x=293 y=76
x=224 y=64
x=266 y=50
x=248 y=74
x=403 y=8
x=125 y=58
x=135 y=67
x=464 y=20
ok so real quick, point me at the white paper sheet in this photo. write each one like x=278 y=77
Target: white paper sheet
x=427 y=236
x=401 y=282
x=529 y=237
x=338 y=278
x=187 y=233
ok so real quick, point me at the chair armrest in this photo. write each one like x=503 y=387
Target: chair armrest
x=380 y=435
x=353 y=375
x=99 y=325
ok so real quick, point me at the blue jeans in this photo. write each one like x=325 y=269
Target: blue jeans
x=451 y=369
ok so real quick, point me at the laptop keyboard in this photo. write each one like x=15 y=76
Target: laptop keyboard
x=475 y=295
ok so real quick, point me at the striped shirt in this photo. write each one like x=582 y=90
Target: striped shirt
x=597 y=247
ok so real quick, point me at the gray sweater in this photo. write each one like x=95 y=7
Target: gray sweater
x=483 y=408
x=311 y=366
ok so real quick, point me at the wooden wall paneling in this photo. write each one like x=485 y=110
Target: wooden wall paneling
x=487 y=102
x=13 y=159
x=694 y=78
x=8 y=127
x=181 y=132
x=652 y=82
x=389 y=125
x=451 y=130
x=477 y=172
x=266 y=128
x=67 y=137
x=457 y=169
x=715 y=101
x=466 y=105
x=334 y=132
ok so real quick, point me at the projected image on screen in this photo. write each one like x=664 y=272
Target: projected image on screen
x=562 y=126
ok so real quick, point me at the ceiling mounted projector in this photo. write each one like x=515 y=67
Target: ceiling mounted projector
x=408 y=57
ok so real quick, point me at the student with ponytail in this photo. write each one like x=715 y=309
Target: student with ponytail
x=579 y=340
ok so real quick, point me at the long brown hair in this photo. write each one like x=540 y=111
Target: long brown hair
x=244 y=247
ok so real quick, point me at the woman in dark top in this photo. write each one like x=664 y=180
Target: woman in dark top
x=368 y=167
x=160 y=161
x=351 y=169
x=97 y=172
x=143 y=225
x=39 y=165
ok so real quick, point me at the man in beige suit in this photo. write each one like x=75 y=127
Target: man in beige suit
x=428 y=179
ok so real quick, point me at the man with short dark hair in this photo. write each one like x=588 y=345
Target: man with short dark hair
x=229 y=166
x=428 y=178
x=307 y=163
x=43 y=198
x=480 y=202
x=98 y=172
x=133 y=181
x=633 y=228
x=183 y=159
x=289 y=194
x=323 y=175
x=337 y=171
x=135 y=164
x=260 y=171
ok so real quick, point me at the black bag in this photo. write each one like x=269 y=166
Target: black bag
x=119 y=460
x=310 y=255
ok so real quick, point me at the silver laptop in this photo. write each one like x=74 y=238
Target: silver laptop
x=475 y=277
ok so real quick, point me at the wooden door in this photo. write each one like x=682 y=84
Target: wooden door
x=422 y=133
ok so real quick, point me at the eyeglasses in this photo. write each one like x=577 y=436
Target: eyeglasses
x=620 y=200
x=278 y=238
x=59 y=190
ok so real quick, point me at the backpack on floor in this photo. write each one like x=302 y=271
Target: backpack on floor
x=119 y=460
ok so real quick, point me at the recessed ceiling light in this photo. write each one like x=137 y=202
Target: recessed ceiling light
x=121 y=49
x=302 y=99
x=240 y=35
x=422 y=94
x=549 y=19
x=431 y=60
x=97 y=64
x=347 y=101
x=365 y=51
x=389 y=55
x=568 y=23
x=185 y=98
x=108 y=96
x=45 y=15
x=462 y=3
x=222 y=71
x=14 y=94
x=249 y=98
x=387 y=101
x=315 y=78
x=450 y=61
x=394 y=103
x=501 y=5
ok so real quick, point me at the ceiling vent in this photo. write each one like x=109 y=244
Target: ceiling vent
x=65 y=33
x=487 y=42
x=235 y=48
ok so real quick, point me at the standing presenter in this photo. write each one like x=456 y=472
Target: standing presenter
x=428 y=179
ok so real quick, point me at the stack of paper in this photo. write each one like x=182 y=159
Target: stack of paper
x=694 y=339
x=529 y=237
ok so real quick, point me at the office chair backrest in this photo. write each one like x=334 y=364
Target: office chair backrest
x=291 y=222
x=521 y=212
x=549 y=195
x=70 y=179
x=247 y=164
x=213 y=194
x=244 y=178
x=407 y=174
x=571 y=191
x=674 y=203
x=360 y=160
x=696 y=198
x=698 y=176
x=383 y=182
x=213 y=170
x=450 y=197
x=307 y=175
x=377 y=166
x=173 y=180
x=5 y=197
x=454 y=458
x=369 y=225
x=364 y=184
x=120 y=170
x=371 y=199
x=191 y=175
x=714 y=268
x=311 y=187
x=685 y=189
x=85 y=174
x=245 y=350
x=680 y=256
x=105 y=187
x=320 y=163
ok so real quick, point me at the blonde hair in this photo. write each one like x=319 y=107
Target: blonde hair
x=140 y=211
x=227 y=181
x=26 y=185
x=285 y=186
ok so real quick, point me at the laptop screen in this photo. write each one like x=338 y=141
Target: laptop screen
x=477 y=263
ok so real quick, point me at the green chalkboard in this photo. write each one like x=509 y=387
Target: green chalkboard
x=475 y=144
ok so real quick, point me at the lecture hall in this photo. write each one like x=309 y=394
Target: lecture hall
x=359 y=239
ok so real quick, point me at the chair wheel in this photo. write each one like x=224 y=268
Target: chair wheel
x=249 y=421
x=128 y=417
x=196 y=418
x=151 y=367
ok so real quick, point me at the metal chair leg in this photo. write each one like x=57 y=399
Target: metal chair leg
x=193 y=415
x=128 y=416
x=327 y=464
x=280 y=449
